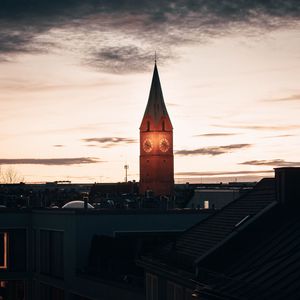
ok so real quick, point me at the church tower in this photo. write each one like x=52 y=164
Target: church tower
x=156 y=144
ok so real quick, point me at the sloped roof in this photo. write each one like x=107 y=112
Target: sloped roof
x=261 y=261
x=270 y=269
x=202 y=238
x=156 y=107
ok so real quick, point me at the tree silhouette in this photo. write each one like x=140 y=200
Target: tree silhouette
x=10 y=175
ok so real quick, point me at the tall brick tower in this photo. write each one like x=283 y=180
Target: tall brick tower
x=156 y=144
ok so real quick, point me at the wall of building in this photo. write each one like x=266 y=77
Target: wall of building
x=75 y=230
x=87 y=225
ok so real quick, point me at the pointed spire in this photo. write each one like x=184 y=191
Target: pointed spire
x=156 y=107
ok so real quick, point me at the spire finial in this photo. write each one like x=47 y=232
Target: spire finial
x=155 y=58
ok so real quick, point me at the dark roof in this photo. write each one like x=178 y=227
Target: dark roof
x=204 y=237
x=270 y=269
x=273 y=264
x=257 y=257
x=156 y=107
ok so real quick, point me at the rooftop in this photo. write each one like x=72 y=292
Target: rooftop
x=210 y=233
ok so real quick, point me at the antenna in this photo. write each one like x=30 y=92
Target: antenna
x=126 y=167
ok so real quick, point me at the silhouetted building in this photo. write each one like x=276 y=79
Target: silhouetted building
x=247 y=250
x=77 y=253
x=217 y=195
x=41 y=195
x=156 y=144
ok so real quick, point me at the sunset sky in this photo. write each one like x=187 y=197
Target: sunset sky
x=75 y=78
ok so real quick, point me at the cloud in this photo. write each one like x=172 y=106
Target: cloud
x=260 y=127
x=58 y=146
x=83 y=127
x=215 y=134
x=108 y=142
x=291 y=98
x=221 y=179
x=272 y=162
x=217 y=150
x=85 y=28
x=115 y=59
x=172 y=104
x=50 y=161
x=222 y=173
x=27 y=86
x=279 y=136
x=14 y=42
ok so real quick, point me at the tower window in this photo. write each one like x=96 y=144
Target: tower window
x=148 y=126
x=163 y=125
x=147 y=160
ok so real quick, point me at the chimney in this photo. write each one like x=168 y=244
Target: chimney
x=85 y=202
x=288 y=186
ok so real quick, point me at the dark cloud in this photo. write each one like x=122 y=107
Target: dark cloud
x=14 y=42
x=92 y=28
x=215 y=134
x=217 y=150
x=222 y=173
x=279 y=136
x=291 y=98
x=50 y=161
x=272 y=162
x=115 y=59
x=108 y=142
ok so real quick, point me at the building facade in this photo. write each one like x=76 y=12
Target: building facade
x=79 y=254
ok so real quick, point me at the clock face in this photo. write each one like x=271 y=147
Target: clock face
x=164 y=145
x=147 y=145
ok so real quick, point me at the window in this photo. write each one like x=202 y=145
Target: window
x=13 y=250
x=3 y=250
x=188 y=294
x=148 y=125
x=48 y=292
x=151 y=287
x=174 y=291
x=206 y=204
x=35 y=289
x=34 y=250
x=52 y=253
x=12 y=290
x=163 y=125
